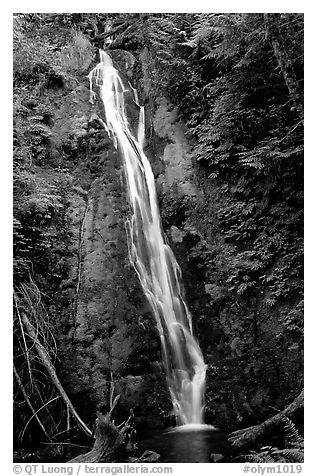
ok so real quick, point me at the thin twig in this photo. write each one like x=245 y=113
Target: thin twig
x=23 y=337
x=26 y=398
x=46 y=361
x=46 y=408
x=292 y=130
x=64 y=443
x=37 y=411
x=61 y=433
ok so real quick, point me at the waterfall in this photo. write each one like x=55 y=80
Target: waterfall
x=152 y=258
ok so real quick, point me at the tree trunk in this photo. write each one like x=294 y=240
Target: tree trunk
x=247 y=437
x=110 y=443
x=272 y=26
x=113 y=444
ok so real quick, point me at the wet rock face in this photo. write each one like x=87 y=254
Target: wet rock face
x=109 y=328
x=107 y=325
x=177 y=175
x=124 y=61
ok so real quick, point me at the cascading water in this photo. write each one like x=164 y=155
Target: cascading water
x=152 y=258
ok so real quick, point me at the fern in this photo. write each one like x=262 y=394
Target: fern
x=292 y=437
x=266 y=455
x=292 y=453
x=270 y=454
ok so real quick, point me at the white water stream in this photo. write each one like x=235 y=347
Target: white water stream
x=152 y=258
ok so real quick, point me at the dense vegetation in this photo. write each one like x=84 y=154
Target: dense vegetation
x=237 y=81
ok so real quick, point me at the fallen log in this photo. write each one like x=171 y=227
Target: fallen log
x=248 y=437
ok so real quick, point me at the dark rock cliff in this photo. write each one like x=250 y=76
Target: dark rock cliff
x=106 y=326
x=100 y=317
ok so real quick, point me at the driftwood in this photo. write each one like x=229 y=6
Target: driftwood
x=113 y=444
x=247 y=437
x=110 y=442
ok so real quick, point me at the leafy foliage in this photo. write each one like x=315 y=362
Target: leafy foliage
x=248 y=147
x=40 y=194
x=291 y=450
x=269 y=454
x=40 y=229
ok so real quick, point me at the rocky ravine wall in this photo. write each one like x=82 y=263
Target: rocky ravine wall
x=109 y=326
x=103 y=324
